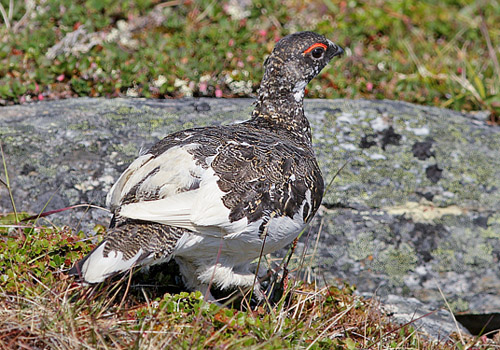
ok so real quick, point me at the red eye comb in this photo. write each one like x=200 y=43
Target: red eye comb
x=313 y=46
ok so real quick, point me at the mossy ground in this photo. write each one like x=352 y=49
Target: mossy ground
x=434 y=53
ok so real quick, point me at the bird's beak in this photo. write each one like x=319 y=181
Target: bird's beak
x=334 y=49
x=339 y=52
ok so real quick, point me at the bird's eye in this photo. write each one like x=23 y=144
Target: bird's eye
x=317 y=52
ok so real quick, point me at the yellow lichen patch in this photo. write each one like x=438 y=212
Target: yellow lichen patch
x=423 y=211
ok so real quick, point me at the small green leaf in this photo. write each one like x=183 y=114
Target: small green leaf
x=351 y=344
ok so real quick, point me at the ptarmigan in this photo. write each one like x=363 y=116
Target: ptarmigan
x=211 y=197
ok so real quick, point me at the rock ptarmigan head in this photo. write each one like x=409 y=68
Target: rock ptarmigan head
x=295 y=60
x=216 y=198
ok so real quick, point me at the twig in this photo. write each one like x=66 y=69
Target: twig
x=21 y=226
x=402 y=326
x=261 y=252
x=11 y=9
x=84 y=213
x=207 y=10
x=126 y=290
x=337 y=174
x=7 y=183
x=48 y=201
x=452 y=315
x=169 y=3
x=316 y=244
x=491 y=49
x=467 y=86
x=50 y=212
x=5 y=17
x=8 y=15
x=30 y=5
x=331 y=323
x=292 y=251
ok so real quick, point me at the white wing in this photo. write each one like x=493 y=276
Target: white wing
x=187 y=193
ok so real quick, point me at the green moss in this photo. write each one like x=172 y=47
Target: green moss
x=128 y=150
x=124 y=111
x=479 y=255
x=188 y=125
x=490 y=232
x=458 y=305
x=151 y=124
x=494 y=219
x=362 y=247
x=395 y=262
x=84 y=125
x=465 y=250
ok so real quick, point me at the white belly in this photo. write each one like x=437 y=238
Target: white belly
x=243 y=247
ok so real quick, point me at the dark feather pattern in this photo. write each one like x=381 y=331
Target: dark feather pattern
x=154 y=239
x=255 y=168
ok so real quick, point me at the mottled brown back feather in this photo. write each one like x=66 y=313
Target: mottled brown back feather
x=132 y=235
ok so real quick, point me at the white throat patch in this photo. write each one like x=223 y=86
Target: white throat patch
x=298 y=91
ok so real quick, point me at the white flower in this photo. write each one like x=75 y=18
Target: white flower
x=160 y=81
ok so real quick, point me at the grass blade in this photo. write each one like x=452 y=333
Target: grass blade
x=7 y=183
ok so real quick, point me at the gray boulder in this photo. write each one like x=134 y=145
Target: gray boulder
x=439 y=324
x=415 y=207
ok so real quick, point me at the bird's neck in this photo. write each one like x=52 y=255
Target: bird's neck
x=282 y=111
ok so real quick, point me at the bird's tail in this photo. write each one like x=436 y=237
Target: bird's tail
x=134 y=243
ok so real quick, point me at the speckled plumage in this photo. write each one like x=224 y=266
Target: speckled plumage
x=208 y=196
x=134 y=234
x=256 y=180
